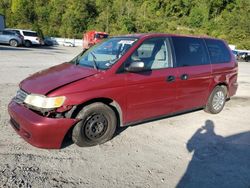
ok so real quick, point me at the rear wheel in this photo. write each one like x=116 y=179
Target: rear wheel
x=13 y=43
x=98 y=124
x=27 y=43
x=216 y=100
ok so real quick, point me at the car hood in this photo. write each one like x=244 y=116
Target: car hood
x=50 y=79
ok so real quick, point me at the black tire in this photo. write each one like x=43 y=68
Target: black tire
x=216 y=100
x=98 y=124
x=27 y=43
x=13 y=43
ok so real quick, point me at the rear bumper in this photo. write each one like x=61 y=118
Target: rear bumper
x=37 y=130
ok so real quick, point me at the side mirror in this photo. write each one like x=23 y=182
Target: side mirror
x=135 y=67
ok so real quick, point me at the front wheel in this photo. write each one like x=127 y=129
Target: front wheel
x=216 y=100
x=97 y=125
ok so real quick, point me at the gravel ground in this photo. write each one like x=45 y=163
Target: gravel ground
x=191 y=150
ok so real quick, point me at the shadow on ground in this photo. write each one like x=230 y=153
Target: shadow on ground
x=3 y=47
x=217 y=161
x=21 y=48
x=68 y=139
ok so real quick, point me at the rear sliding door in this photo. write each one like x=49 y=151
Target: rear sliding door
x=194 y=72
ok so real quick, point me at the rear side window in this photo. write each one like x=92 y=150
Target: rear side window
x=8 y=33
x=190 y=51
x=30 y=34
x=218 y=51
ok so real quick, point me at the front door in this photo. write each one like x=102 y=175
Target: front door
x=152 y=92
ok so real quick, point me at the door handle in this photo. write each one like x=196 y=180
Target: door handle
x=184 y=77
x=171 y=78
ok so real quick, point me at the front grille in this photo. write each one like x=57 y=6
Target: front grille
x=20 y=96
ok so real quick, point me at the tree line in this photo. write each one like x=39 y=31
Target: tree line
x=226 y=19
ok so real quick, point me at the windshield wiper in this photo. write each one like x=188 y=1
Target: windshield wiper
x=94 y=60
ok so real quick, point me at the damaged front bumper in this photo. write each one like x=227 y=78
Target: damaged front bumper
x=39 y=131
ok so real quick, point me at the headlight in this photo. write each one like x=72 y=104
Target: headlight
x=40 y=101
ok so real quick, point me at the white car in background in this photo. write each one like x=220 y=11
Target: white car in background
x=30 y=37
x=70 y=44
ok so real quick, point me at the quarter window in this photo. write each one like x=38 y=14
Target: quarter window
x=190 y=51
x=218 y=51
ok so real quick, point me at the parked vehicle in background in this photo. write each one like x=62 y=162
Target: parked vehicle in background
x=91 y=38
x=69 y=44
x=242 y=55
x=30 y=37
x=49 y=41
x=122 y=81
x=235 y=54
x=11 y=38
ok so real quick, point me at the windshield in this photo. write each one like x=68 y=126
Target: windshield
x=104 y=55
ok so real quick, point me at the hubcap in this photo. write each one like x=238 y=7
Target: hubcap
x=218 y=100
x=95 y=126
x=13 y=43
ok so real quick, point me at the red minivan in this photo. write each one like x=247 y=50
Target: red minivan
x=122 y=81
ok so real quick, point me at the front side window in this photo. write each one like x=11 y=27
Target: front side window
x=155 y=53
x=190 y=51
x=104 y=55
